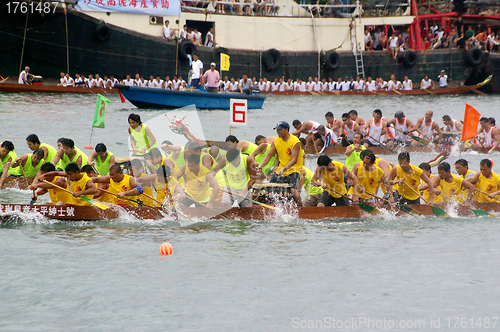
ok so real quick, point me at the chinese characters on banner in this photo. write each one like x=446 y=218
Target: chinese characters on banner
x=150 y=7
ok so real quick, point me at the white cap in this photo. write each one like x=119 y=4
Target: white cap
x=212 y=64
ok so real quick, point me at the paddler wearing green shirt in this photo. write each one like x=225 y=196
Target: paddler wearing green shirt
x=260 y=153
x=102 y=159
x=7 y=157
x=34 y=143
x=245 y=147
x=312 y=192
x=141 y=137
x=68 y=153
x=353 y=151
x=30 y=163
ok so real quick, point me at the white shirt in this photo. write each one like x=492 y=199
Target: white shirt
x=332 y=86
x=79 y=80
x=370 y=86
x=208 y=43
x=166 y=32
x=233 y=86
x=114 y=82
x=393 y=42
x=90 y=82
x=197 y=67
x=425 y=83
x=70 y=82
x=289 y=86
x=407 y=85
x=316 y=86
x=345 y=86
x=129 y=82
x=63 y=81
x=176 y=84
x=359 y=85
x=98 y=82
x=300 y=86
x=168 y=85
x=443 y=81
x=391 y=85
x=151 y=83
x=275 y=86
x=383 y=85
x=23 y=77
x=309 y=86
x=198 y=37
x=324 y=86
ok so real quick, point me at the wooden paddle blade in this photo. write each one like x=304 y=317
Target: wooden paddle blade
x=94 y=203
x=438 y=212
x=407 y=209
x=369 y=208
x=480 y=213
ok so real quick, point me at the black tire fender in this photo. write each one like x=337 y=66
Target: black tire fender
x=474 y=56
x=409 y=58
x=332 y=60
x=102 y=32
x=185 y=48
x=271 y=59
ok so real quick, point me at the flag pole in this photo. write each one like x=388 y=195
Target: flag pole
x=90 y=147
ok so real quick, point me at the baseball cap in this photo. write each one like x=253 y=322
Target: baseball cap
x=281 y=125
x=399 y=114
x=212 y=64
x=442 y=71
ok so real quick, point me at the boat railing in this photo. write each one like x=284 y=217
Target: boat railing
x=304 y=8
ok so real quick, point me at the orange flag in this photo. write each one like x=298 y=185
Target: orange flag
x=471 y=120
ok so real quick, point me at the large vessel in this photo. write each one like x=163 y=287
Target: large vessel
x=296 y=40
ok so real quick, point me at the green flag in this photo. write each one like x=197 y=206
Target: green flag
x=100 y=109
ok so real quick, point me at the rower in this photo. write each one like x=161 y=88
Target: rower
x=487 y=181
x=143 y=179
x=142 y=138
x=491 y=136
x=122 y=185
x=7 y=157
x=350 y=128
x=370 y=177
x=49 y=152
x=240 y=174
x=290 y=156
x=425 y=127
x=407 y=177
x=452 y=185
x=102 y=159
x=30 y=163
x=24 y=76
x=423 y=189
x=68 y=153
x=260 y=153
x=352 y=151
x=374 y=129
x=163 y=176
x=101 y=195
x=462 y=168
x=80 y=183
x=333 y=124
x=328 y=137
x=259 y=139
x=333 y=173
x=353 y=114
x=199 y=179
x=310 y=128
x=245 y=147
x=57 y=196
x=453 y=129
x=312 y=192
x=402 y=126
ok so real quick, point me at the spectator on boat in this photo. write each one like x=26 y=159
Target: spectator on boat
x=376 y=36
x=393 y=45
x=211 y=77
x=382 y=41
x=233 y=85
x=493 y=41
x=368 y=40
x=198 y=37
x=167 y=84
x=168 y=33
x=469 y=37
x=426 y=83
x=408 y=178
x=481 y=39
x=137 y=79
x=142 y=138
x=333 y=175
x=459 y=24
x=127 y=81
x=224 y=85
x=290 y=156
x=443 y=42
x=245 y=85
x=407 y=84
x=197 y=68
x=24 y=76
x=183 y=34
x=434 y=27
x=209 y=39
x=62 y=80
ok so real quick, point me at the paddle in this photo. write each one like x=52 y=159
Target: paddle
x=88 y=200
x=477 y=212
x=402 y=207
x=140 y=203
x=486 y=81
x=422 y=140
x=33 y=198
x=162 y=204
x=438 y=212
x=251 y=200
x=484 y=193
x=481 y=93
x=205 y=206
x=365 y=207
x=384 y=145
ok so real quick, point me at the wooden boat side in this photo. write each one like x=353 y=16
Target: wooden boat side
x=14 y=88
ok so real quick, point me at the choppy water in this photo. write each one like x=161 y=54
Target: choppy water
x=279 y=275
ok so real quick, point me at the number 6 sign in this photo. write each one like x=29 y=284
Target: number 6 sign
x=238 y=112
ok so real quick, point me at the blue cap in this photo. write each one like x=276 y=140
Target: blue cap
x=282 y=125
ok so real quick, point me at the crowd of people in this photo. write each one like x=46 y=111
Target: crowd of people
x=209 y=176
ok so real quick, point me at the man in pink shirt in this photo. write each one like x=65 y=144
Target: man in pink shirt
x=212 y=77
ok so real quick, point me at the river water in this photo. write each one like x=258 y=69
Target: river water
x=286 y=274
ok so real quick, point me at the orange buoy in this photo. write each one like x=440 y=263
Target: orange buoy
x=166 y=249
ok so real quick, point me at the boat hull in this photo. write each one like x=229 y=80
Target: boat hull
x=161 y=98
x=11 y=212
x=14 y=88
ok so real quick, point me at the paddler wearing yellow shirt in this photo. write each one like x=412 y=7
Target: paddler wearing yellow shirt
x=199 y=179
x=452 y=185
x=486 y=181
x=240 y=175
x=68 y=153
x=80 y=183
x=407 y=177
x=102 y=159
x=145 y=180
x=123 y=185
x=57 y=196
x=290 y=157
x=423 y=188
x=49 y=152
x=141 y=136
